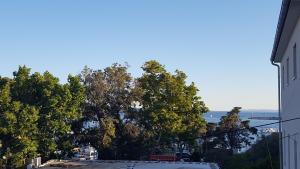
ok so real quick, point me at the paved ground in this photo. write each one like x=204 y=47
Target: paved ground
x=127 y=165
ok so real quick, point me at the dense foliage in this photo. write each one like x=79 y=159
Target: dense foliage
x=152 y=111
x=223 y=140
x=234 y=133
x=42 y=117
x=121 y=116
x=170 y=109
x=110 y=95
x=263 y=154
x=36 y=115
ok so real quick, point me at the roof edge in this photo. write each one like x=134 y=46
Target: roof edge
x=281 y=21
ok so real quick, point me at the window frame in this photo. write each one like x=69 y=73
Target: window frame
x=284 y=148
x=289 y=151
x=295 y=61
x=282 y=76
x=295 y=154
x=287 y=71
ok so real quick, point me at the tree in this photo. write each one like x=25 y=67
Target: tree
x=227 y=137
x=41 y=110
x=130 y=143
x=109 y=94
x=262 y=154
x=170 y=109
x=18 y=129
x=234 y=133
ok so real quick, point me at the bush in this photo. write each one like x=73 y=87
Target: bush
x=257 y=157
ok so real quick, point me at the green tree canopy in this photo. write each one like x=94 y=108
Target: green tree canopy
x=109 y=94
x=37 y=111
x=235 y=133
x=263 y=154
x=227 y=137
x=170 y=109
x=18 y=128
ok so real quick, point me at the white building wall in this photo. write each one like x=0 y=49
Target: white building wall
x=291 y=103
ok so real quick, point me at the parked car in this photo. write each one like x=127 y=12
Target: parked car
x=86 y=153
x=163 y=157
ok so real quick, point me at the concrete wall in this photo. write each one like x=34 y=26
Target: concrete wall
x=291 y=103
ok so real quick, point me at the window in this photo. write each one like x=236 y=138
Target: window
x=282 y=76
x=287 y=71
x=284 y=149
x=295 y=154
x=289 y=153
x=295 y=62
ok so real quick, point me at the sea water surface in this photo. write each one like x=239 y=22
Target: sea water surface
x=215 y=116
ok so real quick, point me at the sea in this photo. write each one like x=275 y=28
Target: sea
x=215 y=116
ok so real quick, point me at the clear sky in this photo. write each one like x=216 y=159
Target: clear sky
x=224 y=46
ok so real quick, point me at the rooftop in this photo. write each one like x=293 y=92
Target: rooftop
x=289 y=14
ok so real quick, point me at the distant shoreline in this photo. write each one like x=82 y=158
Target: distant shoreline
x=248 y=111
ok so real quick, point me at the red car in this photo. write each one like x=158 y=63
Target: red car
x=167 y=157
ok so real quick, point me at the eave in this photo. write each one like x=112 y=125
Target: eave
x=289 y=14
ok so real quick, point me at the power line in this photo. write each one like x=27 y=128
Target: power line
x=282 y=121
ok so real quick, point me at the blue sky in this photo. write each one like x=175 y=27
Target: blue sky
x=224 y=46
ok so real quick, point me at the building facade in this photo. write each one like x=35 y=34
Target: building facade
x=286 y=54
